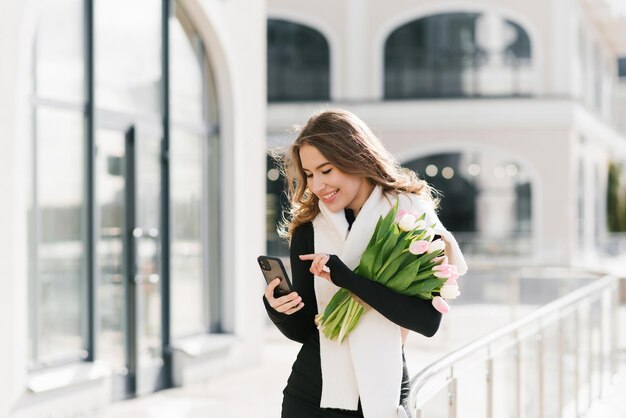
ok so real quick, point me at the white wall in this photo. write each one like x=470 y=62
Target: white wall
x=13 y=261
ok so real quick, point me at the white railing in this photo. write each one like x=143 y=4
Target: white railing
x=553 y=362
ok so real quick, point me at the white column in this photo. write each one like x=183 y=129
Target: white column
x=358 y=52
x=13 y=255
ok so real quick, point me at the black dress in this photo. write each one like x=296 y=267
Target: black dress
x=302 y=395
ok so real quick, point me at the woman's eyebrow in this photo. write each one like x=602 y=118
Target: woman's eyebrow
x=318 y=167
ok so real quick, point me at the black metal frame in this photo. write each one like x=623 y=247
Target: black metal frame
x=90 y=152
x=167 y=381
x=130 y=260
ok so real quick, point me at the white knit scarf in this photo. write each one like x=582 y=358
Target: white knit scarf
x=368 y=364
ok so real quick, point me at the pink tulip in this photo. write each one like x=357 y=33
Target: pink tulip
x=452 y=281
x=449 y=291
x=418 y=247
x=436 y=246
x=400 y=214
x=443 y=271
x=440 y=305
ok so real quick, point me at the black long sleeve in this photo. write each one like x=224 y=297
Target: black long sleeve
x=407 y=311
x=299 y=325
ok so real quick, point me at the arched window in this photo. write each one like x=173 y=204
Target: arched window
x=56 y=228
x=457 y=55
x=194 y=162
x=298 y=63
x=486 y=200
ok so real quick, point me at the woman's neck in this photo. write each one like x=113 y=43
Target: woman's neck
x=364 y=193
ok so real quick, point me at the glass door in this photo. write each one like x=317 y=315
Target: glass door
x=128 y=260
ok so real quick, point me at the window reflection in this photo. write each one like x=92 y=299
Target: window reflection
x=128 y=55
x=187 y=214
x=59 y=60
x=486 y=200
x=58 y=215
x=298 y=62
x=457 y=54
x=194 y=159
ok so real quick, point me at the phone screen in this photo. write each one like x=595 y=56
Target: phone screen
x=272 y=267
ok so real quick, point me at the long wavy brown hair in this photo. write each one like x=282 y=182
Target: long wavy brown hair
x=350 y=146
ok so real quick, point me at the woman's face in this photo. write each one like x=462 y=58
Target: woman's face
x=332 y=186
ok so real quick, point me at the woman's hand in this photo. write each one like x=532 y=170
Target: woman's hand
x=318 y=266
x=287 y=304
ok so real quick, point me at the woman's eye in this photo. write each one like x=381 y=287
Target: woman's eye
x=309 y=176
x=327 y=171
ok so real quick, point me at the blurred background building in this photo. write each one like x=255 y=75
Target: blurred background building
x=138 y=190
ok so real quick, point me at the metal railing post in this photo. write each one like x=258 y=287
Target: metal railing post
x=576 y=361
x=518 y=377
x=490 y=387
x=561 y=368
x=590 y=352
x=452 y=395
x=541 y=365
x=615 y=325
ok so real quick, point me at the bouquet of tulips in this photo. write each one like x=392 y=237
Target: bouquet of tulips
x=403 y=256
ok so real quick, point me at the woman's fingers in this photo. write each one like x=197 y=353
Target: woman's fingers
x=318 y=265
x=286 y=303
x=295 y=308
x=269 y=290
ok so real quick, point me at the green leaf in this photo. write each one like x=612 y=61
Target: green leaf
x=366 y=267
x=390 y=269
x=386 y=222
x=375 y=234
x=388 y=245
x=424 y=286
x=404 y=277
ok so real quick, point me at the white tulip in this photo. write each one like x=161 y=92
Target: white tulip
x=436 y=245
x=420 y=224
x=407 y=222
x=449 y=291
x=430 y=234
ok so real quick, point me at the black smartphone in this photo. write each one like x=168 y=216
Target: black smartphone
x=273 y=267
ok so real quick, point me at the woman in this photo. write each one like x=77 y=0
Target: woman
x=340 y=179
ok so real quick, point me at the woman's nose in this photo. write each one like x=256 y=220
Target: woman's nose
x=317 y=184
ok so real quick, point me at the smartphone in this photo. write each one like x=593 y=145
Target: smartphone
x=272 y=267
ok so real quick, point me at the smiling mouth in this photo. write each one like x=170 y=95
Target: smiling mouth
x=329 y=196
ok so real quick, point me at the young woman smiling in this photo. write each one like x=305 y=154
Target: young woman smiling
x=340 y=179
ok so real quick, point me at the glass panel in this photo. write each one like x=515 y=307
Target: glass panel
x=621 y=68
x=59 y=61
x=505 y=386
x=530 y=377
x=472 y=392
x=186 y=86
x=109 y=169
x=187 y=223
x=148 y=249
x=570 y=377
x=128 y=55
x=298 y=62
x=551 y=371
x=488 y=200
x=60 y=248
x=438 y=405
x=457 y=54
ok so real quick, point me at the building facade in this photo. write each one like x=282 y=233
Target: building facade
x=514 y=111
x=132 y=169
